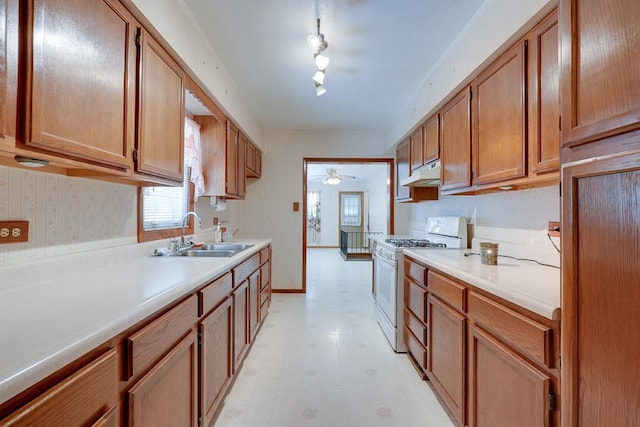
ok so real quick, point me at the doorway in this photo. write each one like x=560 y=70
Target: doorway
x=329 y=184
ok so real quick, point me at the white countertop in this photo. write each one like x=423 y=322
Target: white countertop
x=525 y=283
x=55 y=310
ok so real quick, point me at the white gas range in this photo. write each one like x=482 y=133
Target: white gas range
x=440 y=233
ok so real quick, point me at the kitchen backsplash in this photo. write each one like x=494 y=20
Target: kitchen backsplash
x=65 y=214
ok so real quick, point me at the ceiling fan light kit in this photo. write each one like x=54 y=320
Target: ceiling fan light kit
x=318 y=44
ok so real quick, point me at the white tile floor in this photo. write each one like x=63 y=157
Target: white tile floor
x=320 y=359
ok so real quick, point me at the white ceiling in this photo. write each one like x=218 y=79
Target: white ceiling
x=380 y=52
x=363 y=172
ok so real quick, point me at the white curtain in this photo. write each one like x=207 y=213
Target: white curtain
x=193 y=155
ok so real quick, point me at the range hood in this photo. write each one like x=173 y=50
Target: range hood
x=426 y=176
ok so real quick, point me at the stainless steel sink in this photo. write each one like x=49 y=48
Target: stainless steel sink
x=237 y=247
x=207 y=253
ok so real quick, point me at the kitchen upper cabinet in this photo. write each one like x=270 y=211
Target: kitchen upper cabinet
x=241 y=167
x=80 y=77
x=403 y=170
x=431 y=139
x=253 y=160
x=235 y=164
x=543 y=93
x=8 y=70
x=600 y=69
x=600 y=292
x=167 y=395
x=499 y=137
x=415 y=144
x=87 y=397
x=455 y=140
x=160 y=139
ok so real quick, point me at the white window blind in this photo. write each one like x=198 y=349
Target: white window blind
x=164 y=207
x=351 y=215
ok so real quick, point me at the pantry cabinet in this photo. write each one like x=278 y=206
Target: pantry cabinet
x=8 y=70
x=455 y=140
x=600 y=78
x=159 y=149
x=543 y=92
x=86 y=397
x=499 y=143
x=80 y=90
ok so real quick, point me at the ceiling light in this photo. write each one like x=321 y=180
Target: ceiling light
x=318 y=77
x=320 y=90
x=321 y=61
x=31 y=162
x=331 y=180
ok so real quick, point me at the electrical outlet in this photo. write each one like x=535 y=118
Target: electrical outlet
x=14 y=231
x=554 y=229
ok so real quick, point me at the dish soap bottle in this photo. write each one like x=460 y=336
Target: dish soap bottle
x=217 y=230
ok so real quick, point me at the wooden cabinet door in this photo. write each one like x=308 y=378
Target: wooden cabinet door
x=600 y=69
x=544 y=96
x=81 y=80
x=242 y=166
x=258 y=163
x=455 y=140
x=254 y=303
x=160 y=143
x=416 y=148
x=499 y=136
x=8 y=70
x=231 y=167
x=447 y=353
x=600 y=292
x=431 y=139
x=216 y=353
x=504 y=389
x=167 y=395
x=403 y=168
x=240 y=324
x=82 y=399
x=250 y=151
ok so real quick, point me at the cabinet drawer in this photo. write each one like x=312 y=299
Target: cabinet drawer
x=448 y=291
x=417 y=328
x=264 y=295
x=415 y=271
x=214 y=293
x=415 y=298
x=264 y=255
x=244 y=270
x=417 y=350
x=264 y=310
x=151 y=342
x=519 y=332
x=265 y=277
x=83 y=398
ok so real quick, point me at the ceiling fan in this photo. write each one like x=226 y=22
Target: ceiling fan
x=332 y=177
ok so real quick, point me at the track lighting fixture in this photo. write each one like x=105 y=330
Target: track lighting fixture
x=318 y=44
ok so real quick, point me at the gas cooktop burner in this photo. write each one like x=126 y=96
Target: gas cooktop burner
x=415 y=243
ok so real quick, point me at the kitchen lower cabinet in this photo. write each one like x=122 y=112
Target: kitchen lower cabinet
x=240 y=323
x=87 y=397
x=504 y=389
x=168 y=395
x=254 y=304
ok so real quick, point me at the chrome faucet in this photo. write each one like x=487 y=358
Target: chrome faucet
x=236 y=231
x=184 y=224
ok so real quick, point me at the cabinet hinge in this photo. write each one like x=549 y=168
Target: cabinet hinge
x=138 y=34
x=552 y=401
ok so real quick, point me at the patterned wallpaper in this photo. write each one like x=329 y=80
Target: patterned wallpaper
x=65 y=214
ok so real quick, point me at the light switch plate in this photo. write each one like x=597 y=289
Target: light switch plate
x=14 y=231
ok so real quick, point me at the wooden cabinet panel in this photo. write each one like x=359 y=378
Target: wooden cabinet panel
x=245 y=269
x=416 y=299
x=241 y=166
x=80 y=98
x=504 y=389
x=240 y=325
x=160 y=149
x=447 y=351
x=600 y=292
x=600 y=63
x=149 y=343
x=254 y=160
x=499 y=119
x=81 y=399
x=231 y=167
x=415 y=144
x=216 y=356
x=214 y=293
x=8 y=70
x=525 y=335
x=254 y=303
x=543 y=94
x=417 y=351
x=448 y=291
x=167 y=395
x=403 y=169
x=110 y=419
x=417 y=327
x=415 y=271
x=431 y=139
x=258 y=164
x=455 y=140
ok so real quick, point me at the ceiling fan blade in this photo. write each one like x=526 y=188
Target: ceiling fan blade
x=347 y=176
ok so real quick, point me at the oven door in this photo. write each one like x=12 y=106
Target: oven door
x=386 y=274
